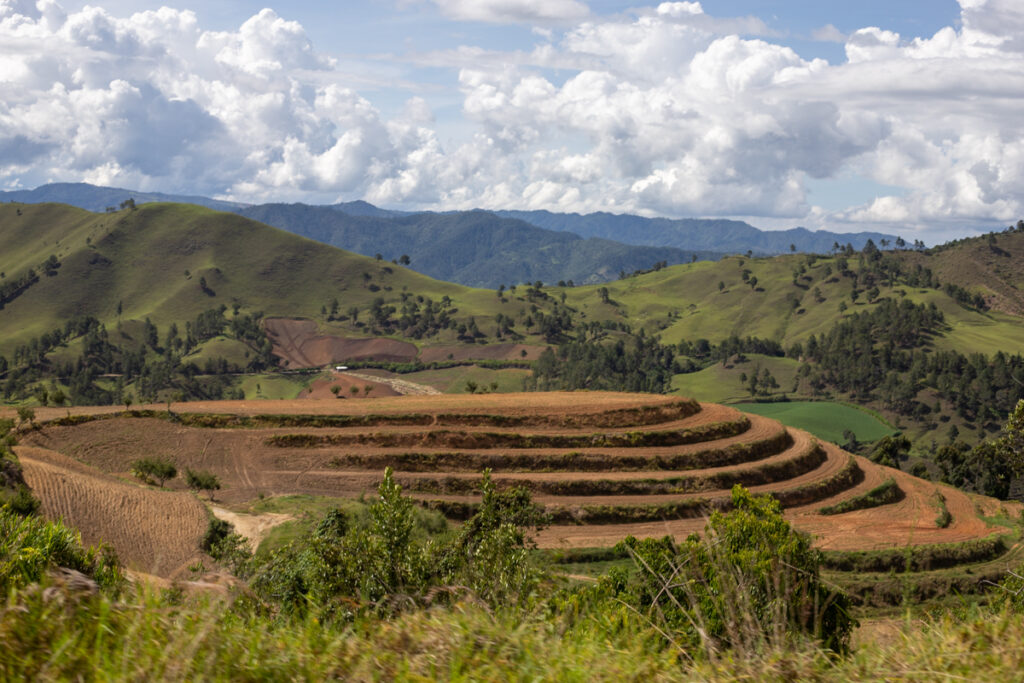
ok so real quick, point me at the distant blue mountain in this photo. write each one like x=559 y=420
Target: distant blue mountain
x=475 y=248
x=96 y=198
x=719 y=235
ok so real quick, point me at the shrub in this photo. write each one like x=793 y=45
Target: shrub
x=148 y=470
x=390 y=560
x=30 y=546
x=202 y=481
x=751 y=581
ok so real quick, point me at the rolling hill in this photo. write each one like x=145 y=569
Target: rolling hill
x=172 y=262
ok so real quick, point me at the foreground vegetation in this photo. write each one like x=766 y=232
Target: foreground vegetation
x=743 y=603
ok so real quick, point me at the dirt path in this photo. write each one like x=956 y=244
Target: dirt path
x=399 y=385
x=253 y=527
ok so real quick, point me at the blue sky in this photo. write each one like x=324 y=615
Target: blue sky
x=900 y=116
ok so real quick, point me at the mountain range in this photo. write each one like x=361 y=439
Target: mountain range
x=484 y=248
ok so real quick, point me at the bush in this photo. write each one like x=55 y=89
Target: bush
x=202 y=481
x=226 y=547
x=751 y=581
x=148 y=470
x=391 y=560
x=30 y=546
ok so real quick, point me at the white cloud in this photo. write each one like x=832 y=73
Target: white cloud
x=514 y=11
x=665 y=110
x=828 y=34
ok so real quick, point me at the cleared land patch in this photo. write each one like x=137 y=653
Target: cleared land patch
x=604 y=465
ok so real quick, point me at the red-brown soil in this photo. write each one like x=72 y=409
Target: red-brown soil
x=298 y=345
x=321 y=388
x=249 y=463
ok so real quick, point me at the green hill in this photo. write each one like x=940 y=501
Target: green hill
x=167 y=299
x=153 y=261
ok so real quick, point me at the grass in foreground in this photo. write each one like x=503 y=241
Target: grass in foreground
x=151 y=636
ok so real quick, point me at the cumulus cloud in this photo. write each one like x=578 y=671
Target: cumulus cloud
x=663 y=110
x=514 y=11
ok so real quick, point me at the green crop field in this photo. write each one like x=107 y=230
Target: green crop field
x=273 y=386
x=825 y=420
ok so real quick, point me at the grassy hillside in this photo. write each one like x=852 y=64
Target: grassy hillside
x=687 y=302
x=152 y=262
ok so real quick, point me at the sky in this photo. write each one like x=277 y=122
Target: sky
x=903 y=117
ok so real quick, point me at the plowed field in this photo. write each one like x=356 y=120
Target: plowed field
x=152 y=531
x=605 y=465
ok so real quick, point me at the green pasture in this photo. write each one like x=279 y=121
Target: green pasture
x=823 y=419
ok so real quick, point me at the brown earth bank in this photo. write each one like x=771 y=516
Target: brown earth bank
x=349 y=387
x=299 y=345
x=522 y=404
x=616 y=475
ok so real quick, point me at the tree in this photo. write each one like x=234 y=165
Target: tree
x=404 y=260
x=26 y=414
x=367 y=388
x=889 y=450
x=158 y=469
x=202 y=481
x=58 y=397
x=721 y=285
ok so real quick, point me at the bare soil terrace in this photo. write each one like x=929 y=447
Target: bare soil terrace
x=621 y=465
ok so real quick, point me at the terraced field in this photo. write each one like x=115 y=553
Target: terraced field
x=604 y=465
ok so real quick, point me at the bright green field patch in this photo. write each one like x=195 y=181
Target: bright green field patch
x=825 y=420
x=273 y=386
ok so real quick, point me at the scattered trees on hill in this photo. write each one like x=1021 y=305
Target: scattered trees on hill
x=642 y=364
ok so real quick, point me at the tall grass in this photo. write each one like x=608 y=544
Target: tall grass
x=152 y=636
